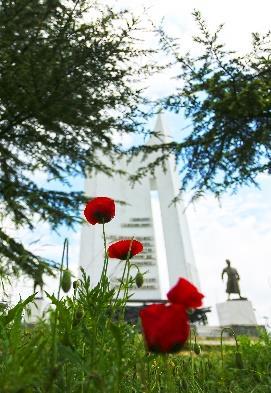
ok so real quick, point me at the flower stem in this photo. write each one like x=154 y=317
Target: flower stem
x=127 y=263
x=127 y=282
x=105 y=265
x=105 y=252
x=83 y=373
x=54 y=330
x=121 y=282
x=221 y=341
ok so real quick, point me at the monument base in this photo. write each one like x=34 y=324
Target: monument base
x=208 y=331
x=239 y=315
x=247 y=330
x=236 y=312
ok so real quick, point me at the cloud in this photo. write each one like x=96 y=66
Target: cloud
x=240 y=18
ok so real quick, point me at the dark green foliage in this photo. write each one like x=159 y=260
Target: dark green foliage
x=226 y=100
x=22 y=260
x=66 y=86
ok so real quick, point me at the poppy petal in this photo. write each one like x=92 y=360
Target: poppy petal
x=121 y=249
x=185 y=293
x=165 y=327
x=100 y=210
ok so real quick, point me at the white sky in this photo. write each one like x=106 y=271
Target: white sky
x=240 y=228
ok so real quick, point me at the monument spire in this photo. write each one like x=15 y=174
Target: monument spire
x=159 y=128
x=136 y=219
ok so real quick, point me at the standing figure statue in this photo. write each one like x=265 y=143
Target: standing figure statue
x=233 y=280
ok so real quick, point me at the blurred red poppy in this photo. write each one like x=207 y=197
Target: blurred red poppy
x=165 y=327
x=185 y=293
x=120 y=249
x=99 y=210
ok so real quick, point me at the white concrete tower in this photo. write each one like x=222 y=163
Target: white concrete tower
x=150 y=218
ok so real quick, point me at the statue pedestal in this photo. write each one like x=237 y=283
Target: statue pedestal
x=236 y=312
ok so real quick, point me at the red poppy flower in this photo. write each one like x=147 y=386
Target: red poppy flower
x=120 y=249
x=186 y=294
x=165 y=327
x=99 y=210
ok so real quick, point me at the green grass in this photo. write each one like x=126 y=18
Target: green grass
x=86 y=346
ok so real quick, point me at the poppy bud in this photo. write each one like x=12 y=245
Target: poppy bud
x=75 y=284
x=139 y=279
x=238 y=360
x=79 y=313
x=197 y=349
x=66 y=281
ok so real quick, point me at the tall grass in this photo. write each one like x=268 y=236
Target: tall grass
x=86 y=346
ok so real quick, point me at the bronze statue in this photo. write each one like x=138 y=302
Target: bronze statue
x=233 y=280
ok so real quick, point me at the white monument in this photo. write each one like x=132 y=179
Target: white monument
x=167 y=252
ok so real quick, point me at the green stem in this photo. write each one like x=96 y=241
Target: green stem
x=190 y=342
x=83 y=373
x=123 y=274
x=127 y=283
x=65 y=247
x=54 y=331
x=121 y=282
x=166 y=369
x=105 y=265
x=221 y=341
x=73 y=304
x=105 y=253
x=192 y=329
